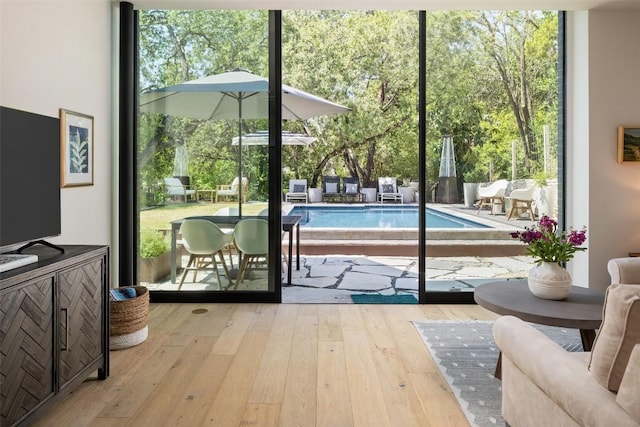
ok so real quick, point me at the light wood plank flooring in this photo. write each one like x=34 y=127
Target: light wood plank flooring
x=273 y=365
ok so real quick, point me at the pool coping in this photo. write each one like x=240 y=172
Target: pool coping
x=498 y=230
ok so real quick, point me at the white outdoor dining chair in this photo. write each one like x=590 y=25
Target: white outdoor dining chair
x=204 y=240
x=252 y=240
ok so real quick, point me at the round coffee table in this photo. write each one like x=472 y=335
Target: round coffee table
x=582 y=309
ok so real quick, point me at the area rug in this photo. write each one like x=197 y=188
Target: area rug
x=466 y=354
x=383 y=299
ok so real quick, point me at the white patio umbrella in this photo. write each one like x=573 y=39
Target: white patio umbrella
x=262 y=138
x=237 y=94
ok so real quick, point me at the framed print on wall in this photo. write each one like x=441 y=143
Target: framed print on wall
x=628 y=144
x=76 y=149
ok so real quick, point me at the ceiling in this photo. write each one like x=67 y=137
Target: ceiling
x=386 y=5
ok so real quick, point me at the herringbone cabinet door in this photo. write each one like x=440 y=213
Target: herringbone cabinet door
x=26 y=349
x=80 y=318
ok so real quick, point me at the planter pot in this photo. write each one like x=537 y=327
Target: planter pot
x=549 y=281
x=153 y=269
x=470 y=193
x=407 y=194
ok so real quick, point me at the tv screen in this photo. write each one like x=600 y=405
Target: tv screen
x=29 y=177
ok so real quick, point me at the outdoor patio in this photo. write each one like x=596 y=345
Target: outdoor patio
x=332 y=270
x=334 y=278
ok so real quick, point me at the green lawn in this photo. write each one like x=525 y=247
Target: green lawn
x=159 y=218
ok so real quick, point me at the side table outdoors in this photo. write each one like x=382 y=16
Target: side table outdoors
x=203 y=194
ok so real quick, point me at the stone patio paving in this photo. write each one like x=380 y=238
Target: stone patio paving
x=333 y=279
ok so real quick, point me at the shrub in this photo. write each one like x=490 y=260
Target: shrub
x=152 y=244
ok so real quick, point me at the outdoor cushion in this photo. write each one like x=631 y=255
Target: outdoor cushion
x=299 y=188
x=332 y=187
x=351 y=188
x=617 y=336
x=387 y=188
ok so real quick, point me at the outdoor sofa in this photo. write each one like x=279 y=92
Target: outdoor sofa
x=348 y=192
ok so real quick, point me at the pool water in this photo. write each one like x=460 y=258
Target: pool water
x=376 y=217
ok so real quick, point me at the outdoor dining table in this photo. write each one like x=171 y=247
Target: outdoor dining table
x=289 y=222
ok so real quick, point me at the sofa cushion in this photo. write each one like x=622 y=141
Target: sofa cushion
x=629 y=394
x=618 y=334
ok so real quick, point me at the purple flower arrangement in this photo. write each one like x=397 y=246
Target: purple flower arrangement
x=544 y=243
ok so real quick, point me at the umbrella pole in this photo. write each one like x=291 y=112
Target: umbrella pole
x=240 y=155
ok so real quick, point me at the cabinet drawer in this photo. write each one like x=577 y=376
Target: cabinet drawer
x=26 y=349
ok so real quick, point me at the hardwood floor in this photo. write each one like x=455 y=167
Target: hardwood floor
x=273 y=365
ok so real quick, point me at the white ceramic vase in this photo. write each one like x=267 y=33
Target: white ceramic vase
x=549 y=281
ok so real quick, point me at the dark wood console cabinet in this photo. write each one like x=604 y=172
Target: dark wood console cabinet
x=54 y=328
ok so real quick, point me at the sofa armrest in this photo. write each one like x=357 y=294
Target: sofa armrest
x=562 y=376
x=624 y=270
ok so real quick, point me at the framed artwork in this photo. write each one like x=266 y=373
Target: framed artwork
x=76 y=149
x=628 y=144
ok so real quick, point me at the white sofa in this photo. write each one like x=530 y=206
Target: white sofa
x=544 y=385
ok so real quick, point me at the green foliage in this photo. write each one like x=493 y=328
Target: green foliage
x=152 y=244
x=491 y=80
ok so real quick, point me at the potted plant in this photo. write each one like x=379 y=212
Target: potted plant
x=550 y=250
x=471 y=181
x=155 y=257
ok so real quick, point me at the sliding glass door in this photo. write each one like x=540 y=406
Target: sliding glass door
x=203 y=182
x=446 y=105
x=494 y=138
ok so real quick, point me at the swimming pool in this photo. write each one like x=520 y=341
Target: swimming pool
x=376 y=217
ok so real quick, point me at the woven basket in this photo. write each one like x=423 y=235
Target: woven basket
x=130 y=315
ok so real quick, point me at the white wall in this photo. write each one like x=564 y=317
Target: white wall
x=604 y=94
x=57 y=54
x=614 y=87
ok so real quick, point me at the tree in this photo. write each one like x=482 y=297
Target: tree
x=522 y=49
x=491 y=79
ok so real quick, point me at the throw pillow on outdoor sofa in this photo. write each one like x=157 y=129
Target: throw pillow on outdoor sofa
x=618 y=334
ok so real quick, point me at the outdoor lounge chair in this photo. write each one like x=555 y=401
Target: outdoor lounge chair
x=176 y=190
x=297 y=191
x=388 y=190
x=232 y=191
x=492 y=194
x=351 y=189
x=520 y=201
x=330 y=187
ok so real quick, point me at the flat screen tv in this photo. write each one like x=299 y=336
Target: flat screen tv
x=29 y=177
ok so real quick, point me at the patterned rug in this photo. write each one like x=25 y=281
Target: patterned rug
x=466 y=355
